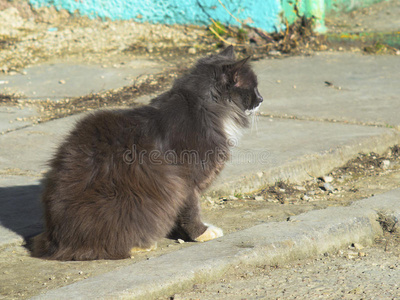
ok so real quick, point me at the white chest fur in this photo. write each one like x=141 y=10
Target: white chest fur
x=233 y=132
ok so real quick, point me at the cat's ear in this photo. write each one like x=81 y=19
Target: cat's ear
x=228 y=52
x=239 y=64
x=233 y=71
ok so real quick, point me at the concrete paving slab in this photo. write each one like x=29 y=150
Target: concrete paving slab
x=369 y=87
x=312 y=233
x=64 y=80
x=29 y=149
x=12 y=118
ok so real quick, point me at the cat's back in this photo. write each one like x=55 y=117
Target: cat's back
x=101 y=139
x=113 y=127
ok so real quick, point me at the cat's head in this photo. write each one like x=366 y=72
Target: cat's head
x=230 y=80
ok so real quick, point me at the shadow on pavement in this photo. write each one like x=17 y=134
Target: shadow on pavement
x=20 y=210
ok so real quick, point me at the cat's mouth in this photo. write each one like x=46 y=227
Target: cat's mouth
x=253 y=110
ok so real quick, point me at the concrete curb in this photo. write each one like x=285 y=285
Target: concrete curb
x=307 y=166
x=305 y=235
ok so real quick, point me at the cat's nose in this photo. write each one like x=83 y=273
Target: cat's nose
x=259 y=97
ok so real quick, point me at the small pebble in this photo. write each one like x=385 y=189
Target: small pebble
x=327 y=187
x=180 y=241
x=385 y=164
x=61 y=81
x=274 y=53
x=351 y=254
x=300 y=188
x=327 y=179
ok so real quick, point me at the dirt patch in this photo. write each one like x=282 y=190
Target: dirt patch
x=8 y=98
x=339 y=183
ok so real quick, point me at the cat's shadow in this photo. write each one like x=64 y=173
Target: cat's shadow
x=21 y=211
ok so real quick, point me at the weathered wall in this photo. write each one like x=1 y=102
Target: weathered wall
x=292 y=9
x=270 y=15
x=258 y=13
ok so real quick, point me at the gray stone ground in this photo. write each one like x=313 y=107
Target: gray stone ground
x=330 y=276
x=359 y=82
x=64 y=80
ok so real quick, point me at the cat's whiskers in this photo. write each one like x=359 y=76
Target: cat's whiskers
x=254 y=119
x=252 y=122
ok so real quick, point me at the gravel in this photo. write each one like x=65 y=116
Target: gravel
x=373 y=273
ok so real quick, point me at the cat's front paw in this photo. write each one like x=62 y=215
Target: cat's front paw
x=211 y=233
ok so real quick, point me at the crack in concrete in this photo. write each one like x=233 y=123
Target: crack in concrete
x=328 y=120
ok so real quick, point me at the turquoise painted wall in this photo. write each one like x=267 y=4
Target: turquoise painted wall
x=257 y=13
x=309 y=8
x=270 y=15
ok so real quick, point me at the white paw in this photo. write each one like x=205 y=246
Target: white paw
x=211 y=233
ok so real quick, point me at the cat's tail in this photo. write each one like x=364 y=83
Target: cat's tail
x=40 y=245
